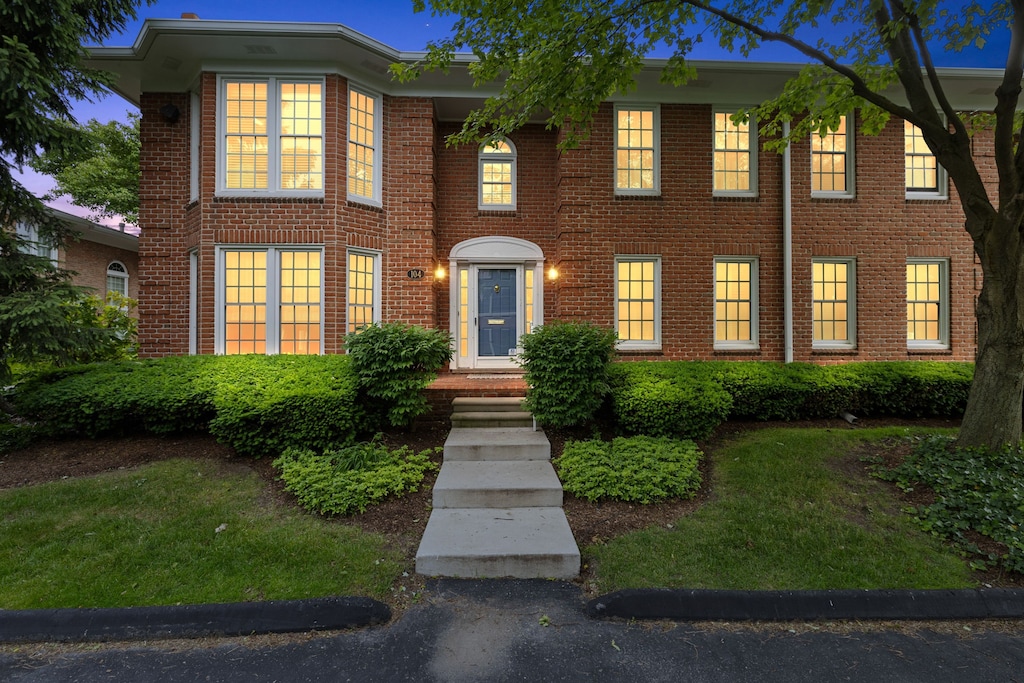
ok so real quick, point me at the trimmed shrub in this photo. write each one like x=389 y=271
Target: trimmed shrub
x=347 y=480
x=266 y=404
x=643 y=404
x=637 y=469
x=394 y=364
x=566 y=371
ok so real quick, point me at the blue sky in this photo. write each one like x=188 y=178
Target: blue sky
x=392 y=22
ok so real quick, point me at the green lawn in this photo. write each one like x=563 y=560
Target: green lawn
x=150 y=537
x=781 y=517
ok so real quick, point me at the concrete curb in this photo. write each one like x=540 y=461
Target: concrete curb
x=816 y=605
x=191 y=621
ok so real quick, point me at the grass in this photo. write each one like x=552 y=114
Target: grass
x=150 y=537
x=781 y=517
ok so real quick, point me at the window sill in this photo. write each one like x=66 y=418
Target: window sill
x=830 y=198
x=367 y=206
x=926 y=197
x=267 y=199
x=496 y=213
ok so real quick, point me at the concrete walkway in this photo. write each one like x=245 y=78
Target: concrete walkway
x=497 y=502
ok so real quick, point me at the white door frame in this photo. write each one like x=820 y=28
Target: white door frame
x=466 y=259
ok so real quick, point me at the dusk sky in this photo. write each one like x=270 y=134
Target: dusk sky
x=392 y=22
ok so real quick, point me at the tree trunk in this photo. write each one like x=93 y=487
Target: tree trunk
x=993 y=416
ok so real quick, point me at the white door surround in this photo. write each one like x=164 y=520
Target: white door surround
x=466 y=261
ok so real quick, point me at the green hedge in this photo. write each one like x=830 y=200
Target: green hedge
x=691 y=398
x=259 y=405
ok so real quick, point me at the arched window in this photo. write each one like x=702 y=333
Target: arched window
x=497 y=181
x=117 y=278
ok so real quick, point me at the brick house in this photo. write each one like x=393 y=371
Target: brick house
x=291 y=192
x=102 y=259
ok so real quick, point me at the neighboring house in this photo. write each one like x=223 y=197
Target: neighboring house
x=102 y=259
x=292 y=192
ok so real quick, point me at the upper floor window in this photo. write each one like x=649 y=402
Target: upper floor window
x=832 y=161
x=735 y=155
x=925 y=179
x=271 y=136
x=364 y=143
x=637 y=150
x=833 y=302
x=117 y=278
x=33 y=243
x=638 y=301
x=928 y=303
x=269 y=300
x=736 y=303
x=497 y=176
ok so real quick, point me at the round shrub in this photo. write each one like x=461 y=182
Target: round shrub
x=638 y=469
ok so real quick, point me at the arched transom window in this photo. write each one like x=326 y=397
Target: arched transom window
x=117 y=278
x=497 y=180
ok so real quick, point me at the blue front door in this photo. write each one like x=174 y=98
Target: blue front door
x=497 y=311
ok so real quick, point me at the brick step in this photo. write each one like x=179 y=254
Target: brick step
x=485 y=419
x=497 y=484
x=496 y=443
x=526 y=543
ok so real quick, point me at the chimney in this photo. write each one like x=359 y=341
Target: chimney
x=189 y=15
x=120 y=226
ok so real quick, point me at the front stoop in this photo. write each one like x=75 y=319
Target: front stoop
x=498 y=509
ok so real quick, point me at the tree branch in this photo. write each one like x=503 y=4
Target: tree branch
x=1010 y=165
x=933 y=77
x=859 y=86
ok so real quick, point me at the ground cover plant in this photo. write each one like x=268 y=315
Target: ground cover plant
x=639 y=469
x=176 y=531
x=347 y=480
x=975 y=492
x=783 y=515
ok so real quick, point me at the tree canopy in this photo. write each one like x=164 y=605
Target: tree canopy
x=41 y=75
x=567 y=56
x=103 y=173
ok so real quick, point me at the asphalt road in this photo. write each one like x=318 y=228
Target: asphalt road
x=498 y=631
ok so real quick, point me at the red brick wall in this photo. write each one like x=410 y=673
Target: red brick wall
x=567 y=206
x=89 y=260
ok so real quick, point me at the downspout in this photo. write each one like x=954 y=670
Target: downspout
x=787 y=246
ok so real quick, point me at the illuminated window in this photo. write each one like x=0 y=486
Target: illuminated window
x=497 y=176
x=832 y=161
x=924 y=177
x=271 y=136
x=735 y=156
x=637 y=150
x=363 y=289
x=270 y=300
x=638 y=301
x=735 y=303
x=117 y=278
x=364 y=142
x=928 y=303
x=833 y=303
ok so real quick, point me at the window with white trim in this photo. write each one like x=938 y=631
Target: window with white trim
x=736 y=303
x=832 y=164
x=363 y=289
x=833 y=302
x=364 y=144
x=927 y=303
x=271 y=137
x=33 y=243
x=925 y=178
x=637 y=150
x=269 y=300
x=117 y=278
x=735 y=156
x=638 y=302
x=497 y=176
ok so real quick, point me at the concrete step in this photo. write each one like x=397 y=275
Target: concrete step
x=524 y=543
x=479 y=420
x=496 y=443
x=487 y=404
x=497 y=484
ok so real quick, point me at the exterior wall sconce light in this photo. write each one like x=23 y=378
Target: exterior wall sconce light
x=439 y=272
x=170 y=113
x=552 y=273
